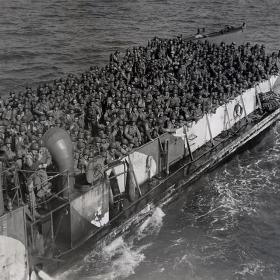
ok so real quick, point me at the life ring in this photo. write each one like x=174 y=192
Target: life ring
x=237 y=111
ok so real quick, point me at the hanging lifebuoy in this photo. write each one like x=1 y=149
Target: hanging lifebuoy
x=237 y=111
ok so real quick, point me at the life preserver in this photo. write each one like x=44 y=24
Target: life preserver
x=237 y=111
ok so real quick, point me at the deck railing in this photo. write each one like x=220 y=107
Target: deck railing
x=18 y=189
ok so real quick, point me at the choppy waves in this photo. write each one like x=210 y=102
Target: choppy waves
x=235 y=215
x=120 y=258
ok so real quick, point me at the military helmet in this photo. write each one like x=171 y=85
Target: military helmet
x=124 y=141
x=34 y=146
x=80 y=145
x=8 y=140
x=133 y=120
x=87 y=132
x=41 y=143
x=113 y=145
x=22 y=129
x=80 y=135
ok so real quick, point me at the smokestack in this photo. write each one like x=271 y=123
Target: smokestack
x=59 y=144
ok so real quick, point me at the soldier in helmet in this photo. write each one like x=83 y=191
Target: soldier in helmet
x=114 y=151
x=38 y=181
x=7 y=114
x=76 y=163
x=92 y=116
x=132 y=133
x=21 y=143
x=44 y=154
x=9 y=153
x=106 y=155
x=84 y=159
x=123 y=148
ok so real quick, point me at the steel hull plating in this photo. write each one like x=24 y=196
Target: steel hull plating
x=171 y=186
x=183 y=171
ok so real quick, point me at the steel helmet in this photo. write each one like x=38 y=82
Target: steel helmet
x=34 y=146
x=8 y=140
x=80 y=145
x=41 y=143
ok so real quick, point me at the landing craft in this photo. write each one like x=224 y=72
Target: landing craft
x=104 y=201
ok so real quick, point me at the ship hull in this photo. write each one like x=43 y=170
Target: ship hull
x=183 y=173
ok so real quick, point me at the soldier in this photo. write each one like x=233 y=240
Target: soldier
x=114 y=151
x=132 y=133
x=10 y=155
x=124 y=147
x=44 y=154
x=7 y=114
x=171 y=126
x=84 y=160
x=92 y=116
x=74 y=126
x=76 y=163
x=21 y=143
x=37 y=161
x=57 y=113
x=107 y=157
x=104 y=142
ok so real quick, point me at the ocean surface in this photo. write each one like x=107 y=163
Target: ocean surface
x=228 y=225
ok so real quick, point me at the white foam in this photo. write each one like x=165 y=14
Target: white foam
x=119 y=258
x=152 y=224
x=252 y=268
x=44 y=276
x=123 y=258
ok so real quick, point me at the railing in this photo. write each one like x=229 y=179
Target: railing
x=19 y=189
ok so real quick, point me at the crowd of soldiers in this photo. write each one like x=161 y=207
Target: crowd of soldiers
x=148 y=91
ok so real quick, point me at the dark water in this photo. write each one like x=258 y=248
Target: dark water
x=44 y=40
x=229 y=228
